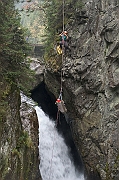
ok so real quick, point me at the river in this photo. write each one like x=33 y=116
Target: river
x=55 y=161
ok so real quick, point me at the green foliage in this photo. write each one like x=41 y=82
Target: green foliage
x=3 y=105
x=13 y=47
x=24 y=141
x=54 y=15
x=3 y=166
x=54 y=22
x=15 y=152
x=14 y=64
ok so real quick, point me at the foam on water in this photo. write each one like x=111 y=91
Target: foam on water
x=55 y=163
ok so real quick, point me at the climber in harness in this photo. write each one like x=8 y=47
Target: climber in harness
x=61 y=106
x=63 y=39
x=63 y=42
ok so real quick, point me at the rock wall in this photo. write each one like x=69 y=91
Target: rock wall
x=31 y=158
x=91 y=86
x=18 y=148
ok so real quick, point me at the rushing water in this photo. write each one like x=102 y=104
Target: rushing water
x=55 y=162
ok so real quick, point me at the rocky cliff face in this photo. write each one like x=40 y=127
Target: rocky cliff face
x=91 y=85
x=30 y=131
x=18 y=146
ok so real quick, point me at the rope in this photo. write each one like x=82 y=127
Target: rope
x=60 y=96
x=62 y=46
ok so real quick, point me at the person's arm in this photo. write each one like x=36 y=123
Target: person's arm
x=61 y=34
x=66 y=36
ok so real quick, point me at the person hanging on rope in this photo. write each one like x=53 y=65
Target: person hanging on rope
x=63 y=43
x=63 y=39
x=61 y=106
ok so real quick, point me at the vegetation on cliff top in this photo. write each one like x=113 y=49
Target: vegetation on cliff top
x=54 y=25
x=14 y=65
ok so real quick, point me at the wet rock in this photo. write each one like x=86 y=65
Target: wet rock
x=18 y=140
x=30 y=126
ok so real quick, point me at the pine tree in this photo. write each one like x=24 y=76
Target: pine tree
x=54 y=15
x=13 y=46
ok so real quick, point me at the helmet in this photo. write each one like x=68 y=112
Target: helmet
x=58 y=100
x=65 y=32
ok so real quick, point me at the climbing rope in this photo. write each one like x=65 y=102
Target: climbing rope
x=60 y=96
x=62 y=46
x=61 y=89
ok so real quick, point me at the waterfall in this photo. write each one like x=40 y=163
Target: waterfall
x=55 y=161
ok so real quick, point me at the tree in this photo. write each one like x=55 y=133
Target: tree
x=13 y=47
x=54 y=15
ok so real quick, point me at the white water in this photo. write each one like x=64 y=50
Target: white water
x=55 y=163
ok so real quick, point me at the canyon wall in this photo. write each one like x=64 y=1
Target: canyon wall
x=91 y=85
x=19 y=153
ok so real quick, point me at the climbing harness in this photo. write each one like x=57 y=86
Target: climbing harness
x=61 y=105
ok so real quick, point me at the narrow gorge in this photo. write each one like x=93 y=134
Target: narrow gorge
x=90 y=84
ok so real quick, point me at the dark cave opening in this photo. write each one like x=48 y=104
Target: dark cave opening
x=46 y=101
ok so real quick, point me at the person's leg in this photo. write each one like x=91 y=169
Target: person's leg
x=60 y=44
